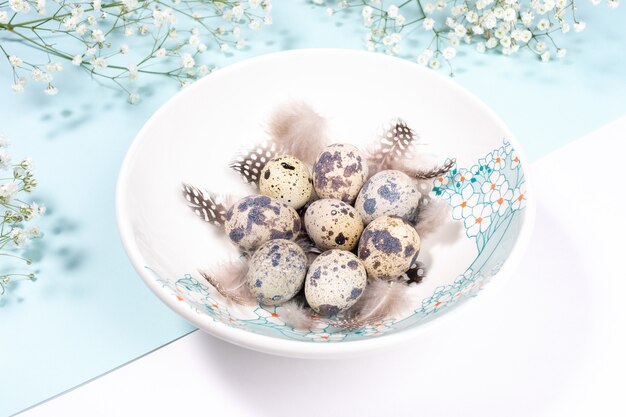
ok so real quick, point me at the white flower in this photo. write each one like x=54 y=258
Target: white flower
x=91 y=21
x=527 y=18
x=41 y=7
x=133 y=98
x=160 y=53
x=579 y=26
x=90 y=51
x=543 y=24
x=96 y=4
x=480 y=47
x=254 y=24
x=15 y=61
x=5 y=159
x=491 y=43
x=613 y=3
x=81 y=29
x=449 y=53
x=4 y=141
x=33 y=232
x=434 y=63
x=519 y=197
x=237 y=12
x=441 y=4
x=19 y=6
x=498 y=160
x=501 y=198
x=129 y=31
x=463 y=203
x=202 y=48
x=8 y=190
x=132 y=72
x=100 y=62
x=526 y=36
x=428 y=23
x=17 y=88
x=54 y=66
x=194 y=40
x=4 y=16
x=38 y=209
x=400 y=20
x=392 y=11
x=124 y=48
x=51 y=90
x=187 y=60
x=479 y=220
x=541 y=46
x=561 y=52
x=509 y=14
x=429 y=8
x=97 y=35
x=254 y=3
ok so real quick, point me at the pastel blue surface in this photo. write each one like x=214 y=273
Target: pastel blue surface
x=89 y=312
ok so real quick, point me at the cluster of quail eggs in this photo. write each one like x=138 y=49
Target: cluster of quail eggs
x=360 y=224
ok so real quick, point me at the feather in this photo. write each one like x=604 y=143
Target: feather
x=430 y=216
x=298 y=130
x=381 y=299
x=416 y=273
x=308 y=246
x=395 y=143
x=229 y=279
x=414 y=170
x=250 y=164
x=297 y=315
x=208 y=206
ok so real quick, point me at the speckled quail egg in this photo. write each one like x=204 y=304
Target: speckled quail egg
x=388 y=193
x=286 y=179
x=388 y=247
x=333 y=224
x=255 y=219
x=335 y=281
x=277 y=271
x=339 y=172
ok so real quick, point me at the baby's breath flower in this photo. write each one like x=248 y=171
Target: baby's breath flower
x=133 y=98
x=124 y=48
x=187 y=60
x=579 y=26
x=15 y=61
x=449 y=53
x=77 y=60
x=545 y=57
x=480 y=47
x=51 y=90
x=428 y=23
x=434 y=63
x=561 y=52
x=392 y=11
x=4 y=16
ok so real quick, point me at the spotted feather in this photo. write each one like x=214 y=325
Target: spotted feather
x=250 y=164
x=207 y=206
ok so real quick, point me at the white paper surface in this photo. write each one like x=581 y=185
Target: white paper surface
x=550 y=342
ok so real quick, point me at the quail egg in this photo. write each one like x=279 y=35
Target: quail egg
x=388 y=193
x=277 y=271
x=286 y=179
x=339 y=172
x=388 y=247
x=335 y=281
x=255 y=219
x=333 y=224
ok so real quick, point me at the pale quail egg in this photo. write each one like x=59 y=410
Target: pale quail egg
x=335 y=281
x=388 y=247
x=333 y=224
x=255 y=219
x=277 y=271
x=388 y=193
x=286 y=179
x=339 y=172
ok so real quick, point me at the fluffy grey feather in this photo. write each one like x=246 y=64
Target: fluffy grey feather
x=229 y=279
x=381 y=299
x=396 y=142
x=297 y=315
x=431 y=216
x=422 y=172
x=307 y=245
x=298 y=130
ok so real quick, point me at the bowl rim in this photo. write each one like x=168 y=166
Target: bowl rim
x=296 y=348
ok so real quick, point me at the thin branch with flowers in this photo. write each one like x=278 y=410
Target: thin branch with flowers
x=120 y=41
x=506 y=26
x=16 y=180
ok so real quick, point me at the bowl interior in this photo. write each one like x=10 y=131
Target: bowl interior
x=194 y=136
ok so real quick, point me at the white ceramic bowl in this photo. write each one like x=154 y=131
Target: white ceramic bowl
x=195 y=134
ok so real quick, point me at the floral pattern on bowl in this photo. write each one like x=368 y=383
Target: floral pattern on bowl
x=488 y=198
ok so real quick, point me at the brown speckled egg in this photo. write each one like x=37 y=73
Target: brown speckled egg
x=286 y=179
x=339 y=172
x=388 y=247
x=333 y=224
x=388 y=193
x=277 y=271
x=255 y=219
x=335 y=281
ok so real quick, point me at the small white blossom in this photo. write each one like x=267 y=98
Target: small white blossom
x=5 y=159
x=428 y=23
x=254 y=24
x=541 y=46
x=237 y=12
x=561 y=52
x=543 y=24
x=434 y=63
x=202 y=48
x=429 y=8
x=81 y=29
x=96 y=4
x=41 y=7
x=491 y=43
x=480 y=47
x=90 y=51
x=133 y=71
x=187 y=60
x=579 y=26
x=449 y=53
x=545 y=57
x=124 y=48
x=97 y=35
x=400 y=20
x=160 y=53
x=100 y=62
x=91 y=21
x=392 y=11
x=4 y=141
x=15 y=61
x=509 y=15
x=133 y=98
x=33 y=232
x=129 y=31
x=4 y=16
x=613 y=4
x=19 y=6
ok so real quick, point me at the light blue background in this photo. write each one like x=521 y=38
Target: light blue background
x=89 y=312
